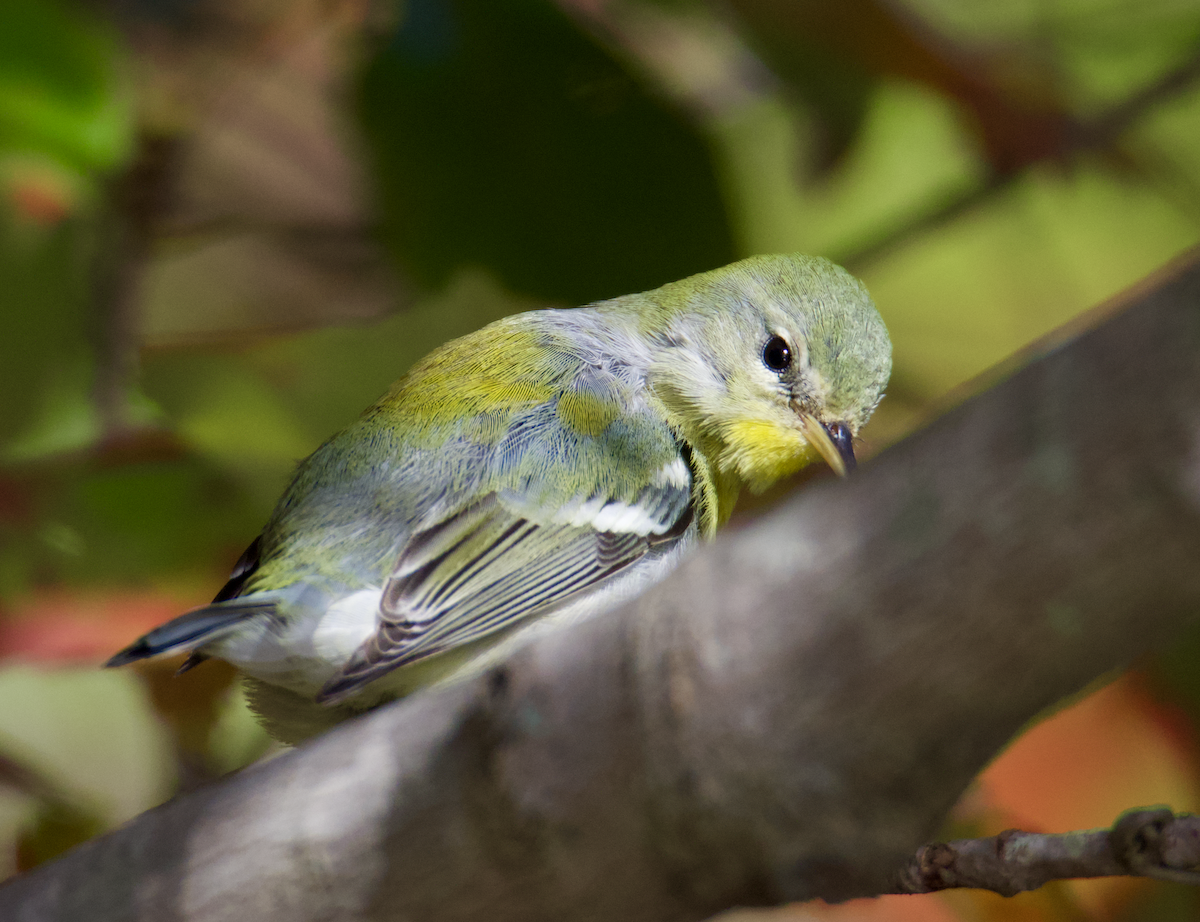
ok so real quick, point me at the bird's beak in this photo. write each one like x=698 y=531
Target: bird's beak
x=833 y=442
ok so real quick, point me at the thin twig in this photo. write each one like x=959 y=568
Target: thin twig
x=1142 y=843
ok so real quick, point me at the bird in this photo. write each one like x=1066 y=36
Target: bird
x=535 y=472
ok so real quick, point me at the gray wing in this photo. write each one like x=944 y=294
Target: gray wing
x=486 y=568
x=482 y=571
x=531 y=542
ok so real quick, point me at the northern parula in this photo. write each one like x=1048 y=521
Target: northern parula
x=541 y=469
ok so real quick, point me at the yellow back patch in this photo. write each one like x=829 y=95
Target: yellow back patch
x=496 y=370
x=587 y=414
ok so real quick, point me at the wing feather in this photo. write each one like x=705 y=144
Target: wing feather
x=447 y=603
x=531 y=543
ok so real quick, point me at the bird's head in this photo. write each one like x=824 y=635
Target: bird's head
x=771 y=363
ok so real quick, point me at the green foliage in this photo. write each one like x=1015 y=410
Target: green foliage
x=60 y=86
x=505 y=137
x=519 y=155
x=56 y=827
x=44 y=330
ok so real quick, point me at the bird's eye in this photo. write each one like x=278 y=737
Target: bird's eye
x=777 y=354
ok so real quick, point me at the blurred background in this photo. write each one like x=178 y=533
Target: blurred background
x=227 y=225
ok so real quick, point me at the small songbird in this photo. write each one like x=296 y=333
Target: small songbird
x=539 y=470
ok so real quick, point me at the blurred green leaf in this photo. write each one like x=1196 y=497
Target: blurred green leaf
x=56 y=827
x=137 y=520
x=44 y=328
x=61 y=92
x=89 y=734
x=504 y=137
x=66 y=114
x=834 y=56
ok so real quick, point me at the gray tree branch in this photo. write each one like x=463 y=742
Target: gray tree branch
x=788 y=716
x=1142 y=843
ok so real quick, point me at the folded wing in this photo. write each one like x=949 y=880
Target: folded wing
x=531 y=543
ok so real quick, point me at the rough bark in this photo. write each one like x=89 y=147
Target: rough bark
x=788 y=716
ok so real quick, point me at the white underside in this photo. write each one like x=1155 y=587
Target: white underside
x=309 y=645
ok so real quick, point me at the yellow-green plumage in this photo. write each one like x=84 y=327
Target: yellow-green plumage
x=540 y=469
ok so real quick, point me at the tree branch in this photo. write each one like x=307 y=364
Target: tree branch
x=1143 y=843
x=788 y=716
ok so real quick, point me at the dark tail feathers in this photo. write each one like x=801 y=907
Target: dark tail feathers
x=191 y=629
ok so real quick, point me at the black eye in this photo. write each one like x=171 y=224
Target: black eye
x=777 y=354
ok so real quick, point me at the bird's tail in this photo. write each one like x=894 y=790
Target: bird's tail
x=192 y=629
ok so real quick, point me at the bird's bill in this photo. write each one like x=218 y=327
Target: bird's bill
x=838 y=455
